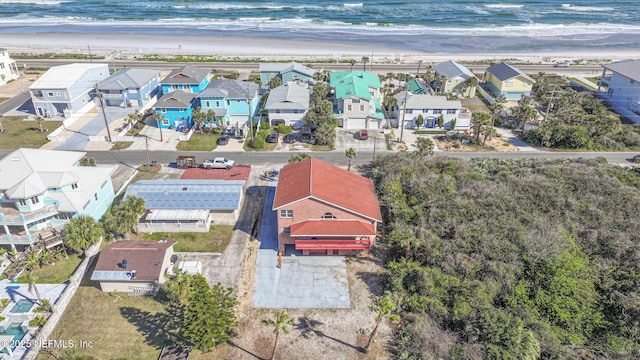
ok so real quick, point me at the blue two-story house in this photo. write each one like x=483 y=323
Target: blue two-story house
x=173 y=110
x=188 y=79
x=130 y=87
x=232 y=101
x=43 y=189
x=67 y=89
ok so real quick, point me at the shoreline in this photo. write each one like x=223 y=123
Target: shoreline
x=129 y=46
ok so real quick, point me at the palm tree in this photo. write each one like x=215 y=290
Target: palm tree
x=40 y=122
x=479 y=120
x=81 y=232
x=496 y=110
x=31 y=280
x=211 y=117
x=469 y=84
x=1 y=128
x=350 y=153
x=365 y=60
x=198 y=117
x=442 y=83
x=33 y=261
x=352 y=62
x=280 y=323
x=160 y=119
x=178 y=288
x=383 y=308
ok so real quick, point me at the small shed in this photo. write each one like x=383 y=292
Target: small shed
x=186 y=161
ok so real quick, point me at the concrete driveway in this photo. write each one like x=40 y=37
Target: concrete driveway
x=92 y=123
x=346 y=138
x=308 y=282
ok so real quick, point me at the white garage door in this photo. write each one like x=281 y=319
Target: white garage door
x=356 y=124
x=374 y=124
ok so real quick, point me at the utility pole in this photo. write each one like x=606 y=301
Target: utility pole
x=249 y=112
x=404 y=110
x=146 y=142
x=104 y=114
x=374 y=145
x=549 y=104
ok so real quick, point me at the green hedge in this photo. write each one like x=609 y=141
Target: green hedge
x=431 y=132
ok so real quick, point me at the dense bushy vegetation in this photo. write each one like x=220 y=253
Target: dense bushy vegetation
x=577 y=120
x=495 y=259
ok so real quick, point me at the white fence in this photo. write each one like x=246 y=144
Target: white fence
x=113 y=138
x=486 y=95
x=63 y=301
x=174 y=227
x=54 y=135
x=187 y=136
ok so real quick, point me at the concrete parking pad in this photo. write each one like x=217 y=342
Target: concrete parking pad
x=309 y=282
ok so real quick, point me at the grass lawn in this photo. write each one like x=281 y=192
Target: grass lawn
x=121 y=145
x=24 y=133
x=198 y=142
x=3 y=99
x=57 y=273
x=584 y=84
x=216 y=240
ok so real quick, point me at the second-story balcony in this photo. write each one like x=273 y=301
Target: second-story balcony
x=14 y=218
x=605 y=80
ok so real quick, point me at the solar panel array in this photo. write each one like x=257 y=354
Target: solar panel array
x=188 y=194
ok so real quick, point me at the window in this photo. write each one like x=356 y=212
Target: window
x=509 y=84
x=286 y=230
x=632 y=81
x=208 y=104
x=238 y=101
x=277 y=111
x=348 y=107
x=74 y=186
x=35 y=200
x=23 y=202
x=58 y=94
x=286 y=213
x=228 y=102
x=95 y=196
x=181 y=109
x=328 y=216
x=295 y=111
x=361 y=107
x=410 y=111
x=217 y=103
x=165 y=122
x=437 y=111
x=50 y=94
x=163 y=110
x=451 y=111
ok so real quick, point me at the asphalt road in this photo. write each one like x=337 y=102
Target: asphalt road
x=244 y=66
x=14 y=102
x=136 y=158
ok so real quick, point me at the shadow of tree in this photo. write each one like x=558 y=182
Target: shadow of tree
x=244 y=350
x=373 y=281
x=309 y=328
x=160 y=329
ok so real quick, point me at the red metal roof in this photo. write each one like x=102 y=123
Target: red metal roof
x=238 y=172
x=325 y=182
x=332 y=227
x=332 y=245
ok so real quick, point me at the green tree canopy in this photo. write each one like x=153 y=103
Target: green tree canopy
x=82 y=232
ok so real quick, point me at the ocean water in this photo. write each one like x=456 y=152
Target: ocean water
x=425 y=25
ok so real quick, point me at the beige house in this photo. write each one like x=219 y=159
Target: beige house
x=133 y=267
x=454 y=78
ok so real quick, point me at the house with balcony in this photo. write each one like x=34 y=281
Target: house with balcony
x=188 y=78
x=504 y=79
x=453 y=78
x=232 y=101
x=130 y=88
x=8 y=69
x=134 y=267
x=316 y=216
x=288 y=104
x=288 y=72
x=67 y=89
x=44 y=189
x=174 y=110
x=431 y=108
x=619 y=86
x=357 y=99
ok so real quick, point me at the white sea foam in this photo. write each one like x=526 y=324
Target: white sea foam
x=587 y=8
x=503 y=6
x=353 y=4
x=34 y=2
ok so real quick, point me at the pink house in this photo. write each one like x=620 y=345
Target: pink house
x=323 y=209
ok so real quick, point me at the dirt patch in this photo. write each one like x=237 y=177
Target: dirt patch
x=495 y=144
x=240 y=172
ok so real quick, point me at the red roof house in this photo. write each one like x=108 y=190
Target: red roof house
x=324 y=209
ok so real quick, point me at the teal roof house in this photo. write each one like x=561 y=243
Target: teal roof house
x=286 y=72
x=232 y=101
x=454 y=78
x=357 y=99
x=44 y=189
x=188 y=78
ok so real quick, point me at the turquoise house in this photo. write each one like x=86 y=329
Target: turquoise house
x=44 y=189
x=189 y=78
x=232 y=101
x=173 y=110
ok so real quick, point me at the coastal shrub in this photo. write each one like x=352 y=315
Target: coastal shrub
x=38 y=321
x=430 y=132
x=284 y=129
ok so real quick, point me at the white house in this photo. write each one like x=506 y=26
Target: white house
x=288 y=103
x=8 y=69
x=431 y=108
x=620 y=87
x=66 y=89
x=357 y=99
x=42 y=189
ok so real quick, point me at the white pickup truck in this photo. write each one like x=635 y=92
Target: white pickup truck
x=218 y=163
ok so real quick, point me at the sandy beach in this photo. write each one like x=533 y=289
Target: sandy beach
x=128 y=46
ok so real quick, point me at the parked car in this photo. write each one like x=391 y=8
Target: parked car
x=363 y=135
x=561 y=65
x=218 y=163
x=223 y=140
x=273 y=137
x=636 y=159
x=289 y=138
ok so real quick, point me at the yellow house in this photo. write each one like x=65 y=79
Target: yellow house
x=504 y=79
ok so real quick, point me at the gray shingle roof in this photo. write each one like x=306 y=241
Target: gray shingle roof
x=504 y=71
x=626 y=68
x=284 y=68
x=291 y=96
x=188 y=74
x=125 y=79
x=452 y=69
x=175 y=99
x=188 y=194
x=230 y=89
x=426 y=101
